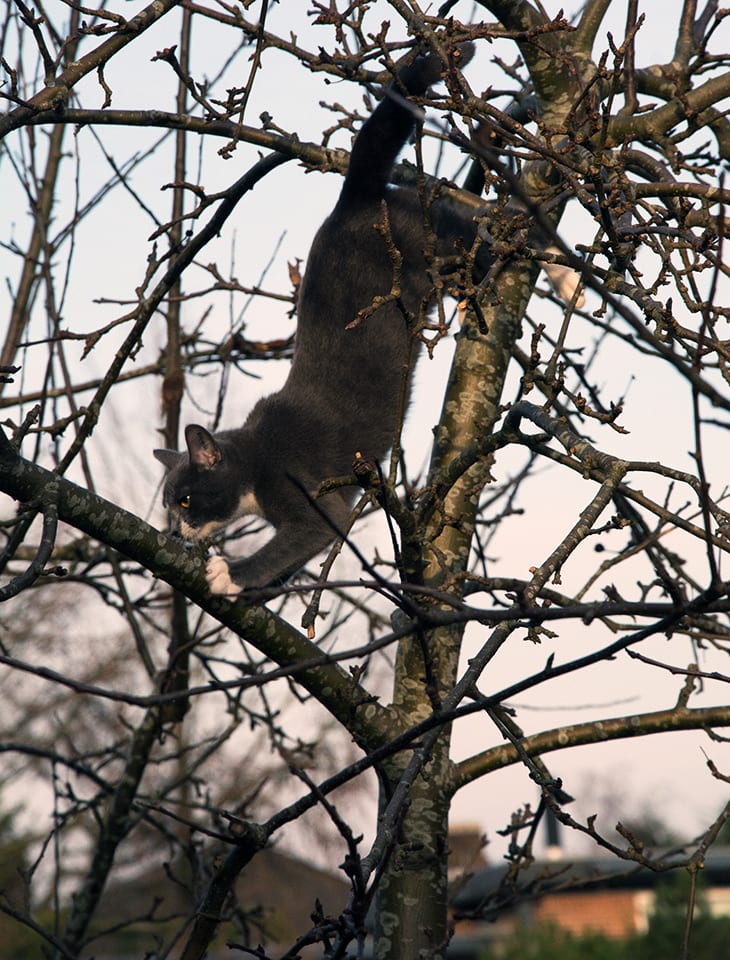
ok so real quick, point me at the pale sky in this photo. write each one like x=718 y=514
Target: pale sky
x=284 y=212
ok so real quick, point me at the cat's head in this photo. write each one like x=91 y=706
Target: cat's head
x=202 y=491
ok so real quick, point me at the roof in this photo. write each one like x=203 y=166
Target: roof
x=493 y=890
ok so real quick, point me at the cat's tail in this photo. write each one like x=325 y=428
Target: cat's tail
x=385 y=132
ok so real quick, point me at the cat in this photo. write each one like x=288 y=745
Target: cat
x=343 y=395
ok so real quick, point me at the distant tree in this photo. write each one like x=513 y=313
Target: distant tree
x=551 y=943
x=16 y=847
x=681 y=923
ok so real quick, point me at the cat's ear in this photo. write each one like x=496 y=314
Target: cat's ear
x=203 y=450
x=168 y=458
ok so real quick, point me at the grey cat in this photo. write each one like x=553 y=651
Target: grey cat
x=344 y=392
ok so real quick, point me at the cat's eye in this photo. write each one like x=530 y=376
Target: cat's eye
x=184 y=501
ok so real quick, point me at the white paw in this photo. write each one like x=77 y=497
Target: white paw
x=218 y=575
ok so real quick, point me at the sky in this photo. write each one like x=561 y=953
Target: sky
x=273 y=226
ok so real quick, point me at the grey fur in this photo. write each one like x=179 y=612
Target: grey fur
x=343 y=393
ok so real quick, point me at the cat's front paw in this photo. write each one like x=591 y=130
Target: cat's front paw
x=218 y=575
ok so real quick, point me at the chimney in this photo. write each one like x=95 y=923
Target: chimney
x=553 y=850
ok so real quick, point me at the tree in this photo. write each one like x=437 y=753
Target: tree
x=140 y=706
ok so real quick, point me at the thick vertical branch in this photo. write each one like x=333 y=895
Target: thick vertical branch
x=426 y=669
x=23 y=300
x=116 y=825
x=21 y=310
x=178 y=670
x=174 y=378
x=427 y=662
